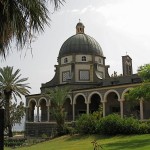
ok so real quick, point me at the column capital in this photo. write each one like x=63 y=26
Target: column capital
x=141 y=99
x=121 y=100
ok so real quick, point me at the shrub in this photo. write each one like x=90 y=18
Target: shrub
x=114 y=124
x=130 y=126
x=110 y=125
x=86 y=124
x=144 y=128
x=44 y=136
x=70 y=130
x=12 y=142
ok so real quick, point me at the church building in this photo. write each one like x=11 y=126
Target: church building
x=81 y=66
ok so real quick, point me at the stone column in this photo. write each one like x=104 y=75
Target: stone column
x=121 y=108
x=141 y=109
x=32 y=114
x=87 y=110
x=48 y=113
x=27 y=114
x=104 y=112
x=73 y=109
x=37 y=113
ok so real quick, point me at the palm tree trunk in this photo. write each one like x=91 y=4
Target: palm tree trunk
x=10 y=133
x=7 y=117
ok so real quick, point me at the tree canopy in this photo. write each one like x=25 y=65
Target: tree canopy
x=17 y=112
x=144 y=72
x=142 y=91
x=21 y=19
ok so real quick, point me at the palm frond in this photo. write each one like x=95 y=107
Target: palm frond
x=21 y=19
x=11 y=81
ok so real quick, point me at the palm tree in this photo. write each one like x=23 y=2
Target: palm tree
x=58 y=97
x=11 y=86
x=20 y=19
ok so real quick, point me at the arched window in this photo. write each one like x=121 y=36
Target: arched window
x=65 y=60
x=83 y=58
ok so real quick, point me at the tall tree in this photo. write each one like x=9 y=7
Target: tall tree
x=11 y=86
x=21 y=19
x=58 y=97
x=17 y=112
x=144 y=72
x=142 y=91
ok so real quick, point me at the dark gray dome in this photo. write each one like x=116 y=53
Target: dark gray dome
x=80 y=24
x=80 y=44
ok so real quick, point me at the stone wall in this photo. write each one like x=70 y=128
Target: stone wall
x=37 y=129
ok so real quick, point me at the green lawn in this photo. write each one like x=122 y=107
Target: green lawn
x=76 y=142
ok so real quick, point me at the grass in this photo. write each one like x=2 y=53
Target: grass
x=77 y=142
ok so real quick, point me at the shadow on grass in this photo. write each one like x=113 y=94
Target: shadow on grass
x=76 y=137
x=79 y=137
x=132 y=144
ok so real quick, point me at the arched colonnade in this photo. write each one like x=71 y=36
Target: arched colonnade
x=112 y=101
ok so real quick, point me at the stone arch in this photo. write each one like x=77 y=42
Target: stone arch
x=70 y=97
x=32 y=99
x=123 y=93
x=68 y=108
x=43 y=98
x=90 y=95
x=75 y=97
x=94 y=101
x=80 y=104
x=129 y=108
x=42 y=103
x=110 y=91
x=112 y=104
x=32 y=103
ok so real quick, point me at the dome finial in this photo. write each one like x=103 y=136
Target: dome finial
x=79 y=27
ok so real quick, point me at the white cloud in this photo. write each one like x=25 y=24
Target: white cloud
x=89 y=8
x=129 y=16
x=75 y=10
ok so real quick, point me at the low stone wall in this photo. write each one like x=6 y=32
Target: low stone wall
x=37 y=129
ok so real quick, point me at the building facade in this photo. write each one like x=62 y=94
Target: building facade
x=81 y=65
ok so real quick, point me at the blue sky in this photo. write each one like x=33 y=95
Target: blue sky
x=120 y=27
